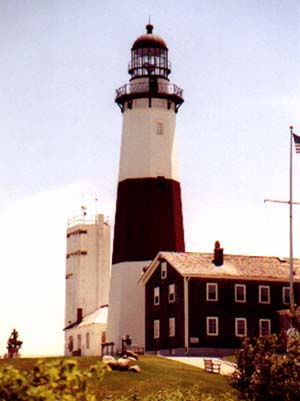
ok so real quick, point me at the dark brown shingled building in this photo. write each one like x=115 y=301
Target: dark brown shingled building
x=205 y=304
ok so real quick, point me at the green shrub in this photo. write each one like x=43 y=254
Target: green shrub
x=48 y=381
x=268 y=370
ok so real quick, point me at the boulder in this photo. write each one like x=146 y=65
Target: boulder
x=121 y=364
x=135 y=369
x=107 y=359
x=132 y=355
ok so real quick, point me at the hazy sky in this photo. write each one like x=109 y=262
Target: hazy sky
x=60 y=130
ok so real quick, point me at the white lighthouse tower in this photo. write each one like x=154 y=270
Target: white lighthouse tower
x=148 y=212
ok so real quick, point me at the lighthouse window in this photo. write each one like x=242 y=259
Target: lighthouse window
x=159 y=128
x=161 y=182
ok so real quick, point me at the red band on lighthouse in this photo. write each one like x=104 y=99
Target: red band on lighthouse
x=148 y=219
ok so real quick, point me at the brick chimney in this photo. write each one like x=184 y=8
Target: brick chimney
x=79 y=315
x=218 y=254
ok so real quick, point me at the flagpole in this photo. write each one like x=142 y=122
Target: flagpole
x=291 y=224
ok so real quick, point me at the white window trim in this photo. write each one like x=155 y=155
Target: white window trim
x=260 y=290
x=284 y=289
x=217 y=325
x=172 y=327
x=237 y=319
x=207 y=292
x=236 y=292
x=156 y=294
x=260 y=326
x=156 y=329
x=172 y=286
x=163 y=268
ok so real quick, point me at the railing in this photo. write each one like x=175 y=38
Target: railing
x=162 y=88
x=82 y=219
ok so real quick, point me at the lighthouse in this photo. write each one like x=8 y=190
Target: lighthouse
x=149 y=210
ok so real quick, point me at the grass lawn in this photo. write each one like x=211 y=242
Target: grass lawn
x=157 y=373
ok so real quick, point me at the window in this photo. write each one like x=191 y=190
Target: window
x=79 y=315
x=240 y=293
x=212 y=326
x=156 y=329
x=79 y=341
x=156 y=296
x=286 y=295
x=164 y=270
x=264 y=327
x=211 y=292
x=172 y=327
x=240 y=327
x=87 y=340
x=171 y=293
x=161 y=182
x=71 y=344
x=264 y=294
x=159 y=128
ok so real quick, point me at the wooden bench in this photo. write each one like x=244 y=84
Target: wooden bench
x=211 y=366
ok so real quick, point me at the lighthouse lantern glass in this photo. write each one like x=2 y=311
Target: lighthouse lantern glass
x=149 y=61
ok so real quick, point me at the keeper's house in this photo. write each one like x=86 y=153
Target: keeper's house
x=204 y=304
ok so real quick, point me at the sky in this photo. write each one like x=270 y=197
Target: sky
x=60 y=130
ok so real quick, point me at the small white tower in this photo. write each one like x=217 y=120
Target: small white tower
x=87 y=284
x=148 y=212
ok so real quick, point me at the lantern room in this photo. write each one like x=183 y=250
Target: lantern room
x=149 y=56
x=149 y=69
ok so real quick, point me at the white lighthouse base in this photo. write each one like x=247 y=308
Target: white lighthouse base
x=126 y=313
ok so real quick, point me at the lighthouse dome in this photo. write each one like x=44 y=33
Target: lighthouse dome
x=149 y=40
x=149 y=56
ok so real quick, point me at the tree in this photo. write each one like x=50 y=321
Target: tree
x=268 y=370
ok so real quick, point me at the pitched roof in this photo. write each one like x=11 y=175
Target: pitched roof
x=268 y=268
x=98 y=316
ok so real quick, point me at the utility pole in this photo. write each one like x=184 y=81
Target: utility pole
x=291 y=279
x=290 y=203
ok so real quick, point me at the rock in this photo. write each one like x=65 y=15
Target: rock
x=135 y=369
x=124 y=362
x=121 y=364
x=132 y=355
x=107 y=359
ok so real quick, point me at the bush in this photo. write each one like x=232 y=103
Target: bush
x=268 y=370
x=48 y=381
